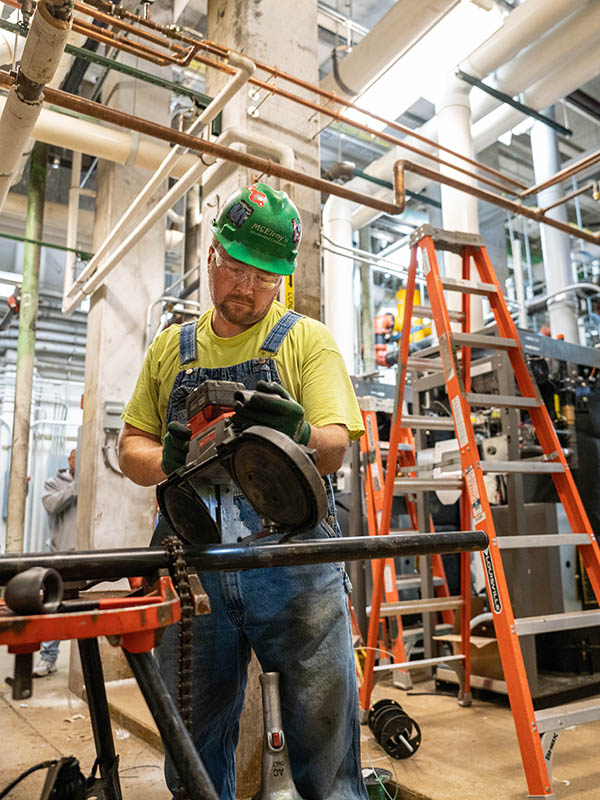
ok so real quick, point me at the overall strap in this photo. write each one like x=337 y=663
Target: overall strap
x=188 y=350
x=279 y=331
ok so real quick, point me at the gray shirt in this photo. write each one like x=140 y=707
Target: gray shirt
x=60 y=501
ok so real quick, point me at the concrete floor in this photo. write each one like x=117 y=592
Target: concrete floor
x=465 y=754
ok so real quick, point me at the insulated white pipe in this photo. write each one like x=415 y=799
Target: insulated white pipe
x=338 y=286
x=173 y=195
x=556 y=249
x=246 y=69
x=578 y=31
x=523 y=25
x=73 y=215
x=44 y=47
x=517 y=260
x=459 y=210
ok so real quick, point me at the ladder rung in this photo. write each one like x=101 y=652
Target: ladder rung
x=428 y=423
x=560 y=717
x=568 y=621
x=468 y=287
x=501 y=400
x=419 y=663
x=409 y=581
x=414 y=634
x=405 y=447
x=424 y=364
x=542 y=540
x=521 y=466
x=409 y=485
x=403 y=530
x=423 y=606
x=427 y=312
x=484 y=341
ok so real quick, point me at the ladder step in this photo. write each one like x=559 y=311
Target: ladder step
x=419 y=663
x=414 y=634
x=468 y=287
x=543 y=540
x=428 y=423
x=524 y=467
x=484 y=341
x=408 y=581
x=423 y=606
x=410 y=485
x=560 y=717
x=424 y=364
x=568 y=621
x=427 y=312
x=501 y=400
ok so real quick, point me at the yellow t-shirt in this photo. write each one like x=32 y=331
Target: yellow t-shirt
x=309 y=364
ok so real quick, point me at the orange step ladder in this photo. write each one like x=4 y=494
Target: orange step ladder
x=536 y=731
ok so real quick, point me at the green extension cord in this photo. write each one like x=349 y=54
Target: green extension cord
x=375 y=780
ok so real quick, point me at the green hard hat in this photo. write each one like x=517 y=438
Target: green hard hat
x=260 y=226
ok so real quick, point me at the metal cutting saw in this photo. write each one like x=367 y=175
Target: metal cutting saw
x=277 y=476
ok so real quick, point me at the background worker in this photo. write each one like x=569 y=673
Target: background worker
x=295 y=619
x=60 y=501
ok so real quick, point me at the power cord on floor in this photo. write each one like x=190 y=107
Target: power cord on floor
x=43 y=765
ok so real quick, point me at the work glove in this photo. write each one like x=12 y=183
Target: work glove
x=175 y=446
x=273 y=407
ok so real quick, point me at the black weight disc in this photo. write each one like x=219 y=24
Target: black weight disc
x=380 y=713
x=400 y=736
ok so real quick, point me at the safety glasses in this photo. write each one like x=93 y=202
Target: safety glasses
x=259 y=279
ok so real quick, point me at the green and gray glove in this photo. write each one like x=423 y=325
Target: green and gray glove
x=272 y=406
x=175 y=447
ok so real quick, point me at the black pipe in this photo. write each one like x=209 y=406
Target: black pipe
x=175 y=737
x=114 y=564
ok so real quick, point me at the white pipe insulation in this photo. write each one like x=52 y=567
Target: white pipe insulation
x=338 y=285
x=44 y=47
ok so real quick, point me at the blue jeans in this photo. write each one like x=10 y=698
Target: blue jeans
x=49 y=651
x=296 y=619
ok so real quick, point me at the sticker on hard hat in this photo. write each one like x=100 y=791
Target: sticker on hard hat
x=268 y=233
x=239 y=213
x=256 y=196
x=296 y=230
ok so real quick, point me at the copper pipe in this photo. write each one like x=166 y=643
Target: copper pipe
x=567 y=172
x=511 y=205
x=172 y=136
x=223 y=52
x=565 y=198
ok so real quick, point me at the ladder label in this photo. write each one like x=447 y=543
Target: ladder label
x=426 y=264
x=491 y=576
x=446 y=358
x=476 y=510
x=459 y=422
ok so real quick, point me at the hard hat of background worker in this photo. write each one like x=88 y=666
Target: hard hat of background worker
x=261 y=227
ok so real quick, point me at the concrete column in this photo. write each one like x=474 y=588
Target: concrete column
x=459 y=210
x=284 y=34
x=338 y=283
x=556 y=248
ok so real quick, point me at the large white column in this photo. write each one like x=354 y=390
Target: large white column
x=338 y=281
x=556 y=248
x=459 y=210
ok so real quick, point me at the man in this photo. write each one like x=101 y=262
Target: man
x=294 y=618
x=60 y=501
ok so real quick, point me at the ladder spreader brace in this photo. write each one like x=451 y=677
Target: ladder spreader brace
x=536 y=753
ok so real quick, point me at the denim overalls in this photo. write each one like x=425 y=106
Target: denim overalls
x=296 y=619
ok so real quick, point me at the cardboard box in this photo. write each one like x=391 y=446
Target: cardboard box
x=485 y=658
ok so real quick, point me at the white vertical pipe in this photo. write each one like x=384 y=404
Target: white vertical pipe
x=459 y=210
x=72 y=216
x=518 y=275
x=337 y=278
x=556 y=248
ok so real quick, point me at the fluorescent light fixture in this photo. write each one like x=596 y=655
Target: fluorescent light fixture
x=420 y=71
x=6 y=290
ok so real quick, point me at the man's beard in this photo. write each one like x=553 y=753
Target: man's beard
x=245 y=313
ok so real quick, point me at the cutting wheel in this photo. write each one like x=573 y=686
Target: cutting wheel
x=279 y=479
x=187 y=514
